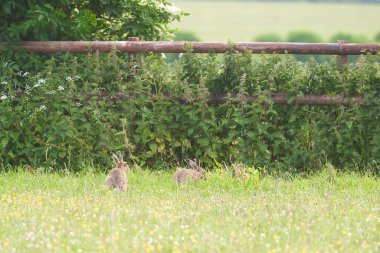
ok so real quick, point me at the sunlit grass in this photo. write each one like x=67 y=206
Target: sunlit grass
x=245 y=20
x=75 y=213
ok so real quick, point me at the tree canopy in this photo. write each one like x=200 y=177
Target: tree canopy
x=86 y=20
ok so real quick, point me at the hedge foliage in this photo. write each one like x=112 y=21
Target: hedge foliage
x=80 y=109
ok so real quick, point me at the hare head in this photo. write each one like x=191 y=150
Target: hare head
x=196 y=165
x=120 y=164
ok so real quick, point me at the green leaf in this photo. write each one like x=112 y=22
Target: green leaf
x=349 y=124
x=61 y=154
x=7 y=8
x=153 y=147
x=203 y=141
x=218 y=165
x=4 y=143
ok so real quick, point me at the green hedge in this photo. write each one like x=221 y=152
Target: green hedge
x=48 y=118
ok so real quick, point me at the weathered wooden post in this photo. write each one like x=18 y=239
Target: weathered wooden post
x=131 y=63
x=342 y=58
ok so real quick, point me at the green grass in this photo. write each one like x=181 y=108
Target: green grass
x=75 y=213
x=245 y=20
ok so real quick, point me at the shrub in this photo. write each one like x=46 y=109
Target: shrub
x=181 y=36
x=268 y=37
x=303 y=36
x=307 y=37
x=349 y=37
x=80 y=110
x=185 y=36
x=377 y=37
x=79 y=20
x=85 y=20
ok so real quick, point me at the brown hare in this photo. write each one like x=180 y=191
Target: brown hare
x=117 y=178
x=182 y=175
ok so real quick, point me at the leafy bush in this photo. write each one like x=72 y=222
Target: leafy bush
x=307 y=37
x=181 y=36
x=185 y=36
x=377 y=37
x=85 y=20
x=349 y=37
x=79 y=20
x=303 y=36
x=268 y=37
x=79 y=110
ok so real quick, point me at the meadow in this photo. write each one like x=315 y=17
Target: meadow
x=325 y=211
x=305 y=209
x=244 y=20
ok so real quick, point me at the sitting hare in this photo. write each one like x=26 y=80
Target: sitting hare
x=117 y=177
x=182 y=175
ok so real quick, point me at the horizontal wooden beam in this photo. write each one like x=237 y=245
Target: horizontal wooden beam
x=284 y=99
x=197 y=47
x=277 y=98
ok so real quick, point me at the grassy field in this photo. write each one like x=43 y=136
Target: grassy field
x=243 y=21
x=75 y=213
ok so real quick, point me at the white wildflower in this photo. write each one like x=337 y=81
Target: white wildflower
x=3 y=97
x=97 y=114
x=39 y=83
x=150 y=240
x=169 y=8
x=4 y=82
x=60 y=88
x=23 y=73
x=43 y=107
x=52 y=92
x=30 y=236
x=69 y=78
x=78 y=104
x=163 y=55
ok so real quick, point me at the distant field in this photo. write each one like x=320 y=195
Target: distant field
x=242 y=21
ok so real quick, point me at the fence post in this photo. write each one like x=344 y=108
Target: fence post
x=342 y=59
x=131 y=65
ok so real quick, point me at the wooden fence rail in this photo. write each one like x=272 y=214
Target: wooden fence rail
x=133 y=45
x=198 y=47
x=234 y=98
x=276 y=98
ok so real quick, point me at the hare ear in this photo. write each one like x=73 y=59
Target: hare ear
x=199 y=168
x=192 y=163
x=115 y=158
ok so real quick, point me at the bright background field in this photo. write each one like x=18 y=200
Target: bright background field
x=244 y=20
x=323 y=212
